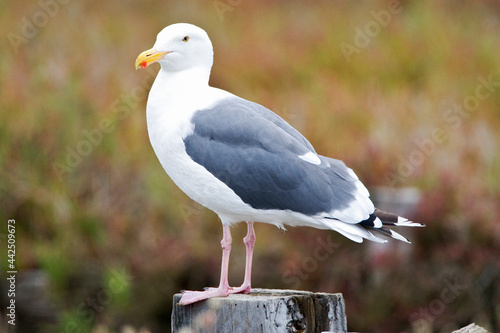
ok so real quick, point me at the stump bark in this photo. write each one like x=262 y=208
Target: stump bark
x=263 y=310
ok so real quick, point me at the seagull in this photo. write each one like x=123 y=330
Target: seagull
x=244 y=162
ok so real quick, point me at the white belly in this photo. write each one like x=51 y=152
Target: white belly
x=167 y=128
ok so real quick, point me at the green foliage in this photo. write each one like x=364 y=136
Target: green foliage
x=72 y=321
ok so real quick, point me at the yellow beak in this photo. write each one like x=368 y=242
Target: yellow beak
x=148 y=57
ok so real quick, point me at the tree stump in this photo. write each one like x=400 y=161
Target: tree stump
x=263 y=310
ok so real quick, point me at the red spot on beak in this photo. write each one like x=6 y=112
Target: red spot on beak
x=144 y=64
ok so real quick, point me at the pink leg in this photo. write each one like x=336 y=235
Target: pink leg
x=249 y=241
x=189 y=297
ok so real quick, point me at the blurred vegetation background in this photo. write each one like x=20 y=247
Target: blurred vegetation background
x=406 y=93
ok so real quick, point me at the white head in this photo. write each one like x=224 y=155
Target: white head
x=179 y=47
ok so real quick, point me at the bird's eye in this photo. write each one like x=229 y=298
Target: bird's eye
x=185 y=39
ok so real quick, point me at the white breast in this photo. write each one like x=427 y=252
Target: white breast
x=168 y=118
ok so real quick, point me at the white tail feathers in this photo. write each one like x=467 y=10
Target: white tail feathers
x=375 y=228
x=402 y=222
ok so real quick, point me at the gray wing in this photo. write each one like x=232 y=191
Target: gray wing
x=275 y=119
x=256 y=153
